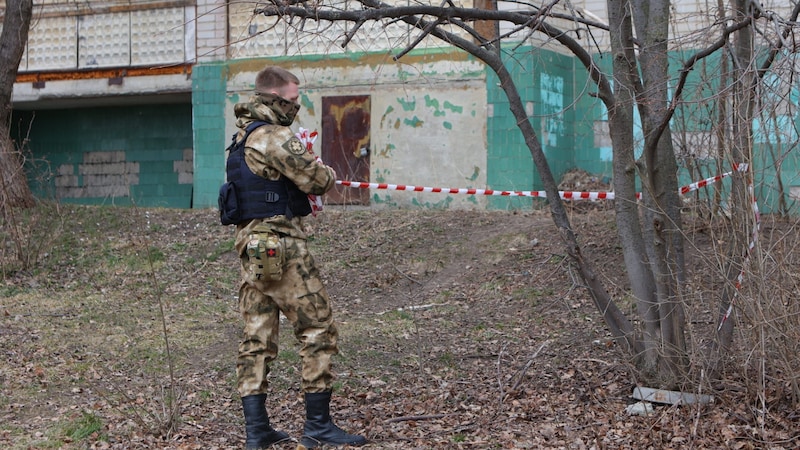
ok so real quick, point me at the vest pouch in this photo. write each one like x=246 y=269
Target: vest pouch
x=265 y=255
x=229 y=212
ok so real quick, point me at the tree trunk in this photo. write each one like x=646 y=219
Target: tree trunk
x=14 y=190
x=662 y=224
x=620 y=118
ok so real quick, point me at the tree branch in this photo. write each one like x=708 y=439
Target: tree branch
x=687 y=68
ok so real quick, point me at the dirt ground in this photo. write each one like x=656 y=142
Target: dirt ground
x=458 y=330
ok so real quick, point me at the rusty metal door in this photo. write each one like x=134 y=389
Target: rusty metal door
x=345 y=145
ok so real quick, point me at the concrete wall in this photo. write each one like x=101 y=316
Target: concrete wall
x=428 y=119
x=438 y=118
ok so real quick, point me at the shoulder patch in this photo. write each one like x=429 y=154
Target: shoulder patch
x=294 y=146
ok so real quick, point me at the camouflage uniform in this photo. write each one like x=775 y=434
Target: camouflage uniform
x=273 y=150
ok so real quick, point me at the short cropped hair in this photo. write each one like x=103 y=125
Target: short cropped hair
x=274 y=77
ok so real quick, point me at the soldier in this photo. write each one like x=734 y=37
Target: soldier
x=270 y=181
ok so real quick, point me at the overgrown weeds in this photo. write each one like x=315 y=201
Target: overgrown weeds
x=27 y=235
x=765 y=359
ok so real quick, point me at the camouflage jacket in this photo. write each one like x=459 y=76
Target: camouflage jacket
x=274 y=150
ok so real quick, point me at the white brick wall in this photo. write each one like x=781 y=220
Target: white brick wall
x=211 y=30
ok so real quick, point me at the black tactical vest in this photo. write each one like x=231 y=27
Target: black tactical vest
x=257 y=197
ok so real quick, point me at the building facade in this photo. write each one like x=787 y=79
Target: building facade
x=130 y=102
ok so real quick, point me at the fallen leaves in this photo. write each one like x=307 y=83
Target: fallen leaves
x=443 y=318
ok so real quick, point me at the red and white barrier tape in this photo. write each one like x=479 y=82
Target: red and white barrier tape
x=747 y=253
x=565 y=195
x=307 y=138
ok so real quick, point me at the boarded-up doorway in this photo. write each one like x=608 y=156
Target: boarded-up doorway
x=345 y=145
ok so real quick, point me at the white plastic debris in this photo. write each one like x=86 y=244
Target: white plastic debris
x=670 y=397
x=639 y=409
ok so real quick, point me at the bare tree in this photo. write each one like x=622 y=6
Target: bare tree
x=14 y=190
x=650 y=231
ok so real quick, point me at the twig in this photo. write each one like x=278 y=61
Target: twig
x=414 y=308
x=697 y=414
x=407 y=277
x=499 y=378
x=594 y=360
x=349 y=36
x=521 y=373
x=202 y=266
x=426 y=31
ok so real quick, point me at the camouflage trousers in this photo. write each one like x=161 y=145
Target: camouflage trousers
x=302 y=298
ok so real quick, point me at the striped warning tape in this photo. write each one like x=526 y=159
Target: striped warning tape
x=565 y=195
x=747 y=253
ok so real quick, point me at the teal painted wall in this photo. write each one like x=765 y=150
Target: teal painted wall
x=593 y=151
x=549 y=86
x=509 y=165
x=209 y=82
x=572 y=128
x=111 y=155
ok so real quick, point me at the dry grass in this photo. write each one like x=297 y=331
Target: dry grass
x=443 y=316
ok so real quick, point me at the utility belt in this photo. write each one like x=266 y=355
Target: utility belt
x=265 y=255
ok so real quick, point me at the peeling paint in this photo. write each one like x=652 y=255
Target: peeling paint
x=408 y=105
x=444 y=204
x=387 y=151
x=475 y=173
x=414 y=122
x=379 y=175
x=432 y=102
x=453 y=108
x=389 y=110
x=442 y=110
x=30 y=77
x=386 y=200
x=447 y=125
x=308 y=105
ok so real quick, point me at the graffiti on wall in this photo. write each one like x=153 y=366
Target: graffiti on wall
x=552 y=94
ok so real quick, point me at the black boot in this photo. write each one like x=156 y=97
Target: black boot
x=319 y=428
x=260 y=434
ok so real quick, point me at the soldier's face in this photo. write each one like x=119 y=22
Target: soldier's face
x=290 y=92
